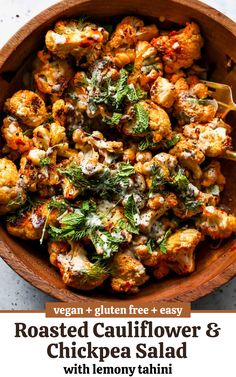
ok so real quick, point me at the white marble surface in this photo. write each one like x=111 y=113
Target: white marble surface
x=15 y=293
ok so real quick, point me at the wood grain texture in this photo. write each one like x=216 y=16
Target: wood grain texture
x=214 y=267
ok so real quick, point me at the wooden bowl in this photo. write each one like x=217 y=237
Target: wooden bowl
x=214 y=266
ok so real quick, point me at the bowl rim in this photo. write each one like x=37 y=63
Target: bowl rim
x=7 y=253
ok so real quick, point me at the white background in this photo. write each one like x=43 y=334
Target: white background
x=206 y=356
x=15 y=293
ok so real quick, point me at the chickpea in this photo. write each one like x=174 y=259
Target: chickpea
x=129 y=154
x=143 y=156
x=155 y=202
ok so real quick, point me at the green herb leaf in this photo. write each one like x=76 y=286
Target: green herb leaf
x=191 y=203
x=122 y=88
x=75 y=174
x=142 y=119
x=114 y=120
x=29 y=204
x=125 y=170
x=105 y=243
x=159 y=178
x=181 y=181
x=132 y=213
x=135 y=94
x=162 y=245
x=59 y=204
x=45 y=161
x=151 y=245
x=146 y=144
x=171 y=143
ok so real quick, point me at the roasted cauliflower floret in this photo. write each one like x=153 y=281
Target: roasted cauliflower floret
x=127 y=273
x=76 y=270
x=14 y=135
x=34 y=174
x=12 y=192
x=216 y=223
x=53 y=76
x=189 y=155
x=148 y=216
x=28 y=107
x=179 y=49
x=30 y=225
x=129 y=31
x=190 y=106
x=147 y=65
x=212 y=138
x=81 y=39
x=163 y=92
x=51 y=135
x=212 y=175
x=180 y=250
x=156 y=120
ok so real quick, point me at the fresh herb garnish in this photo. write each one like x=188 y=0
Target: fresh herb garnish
x=105 y=243
x=181 y=181
x=162 y=245
x=142 y=119
x=171 y=143
x=159 y=178
x=151 y=245
x=147 y=143
x=12 y=218
x=132 y=214
x=114 y=120
x=45 y=161
x=106 y=183
x=135 y=94
x=122 y=88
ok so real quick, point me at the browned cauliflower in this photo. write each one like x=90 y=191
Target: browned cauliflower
x=158 y=121
x=180 y=250
x=163 y=92
x=127 y=273
x=212 y=138
x=28 y=107
x=76 y=270
x=212 y=175
x=131 y=30
x=216 y=223
x=36 y=176
x=30 y=225
x=52 y=76
x=193 y=103
x=180 y=48
x=147 y=65
x=189 y=155
x=81 y=39
x=14 y=135
x=12 y=192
